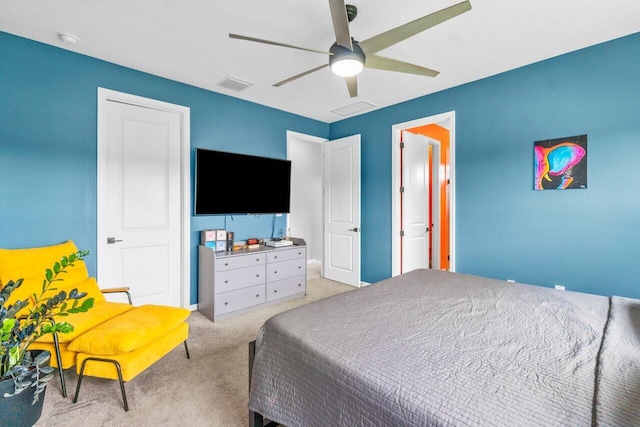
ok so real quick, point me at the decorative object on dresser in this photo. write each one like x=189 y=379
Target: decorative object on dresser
x=215 y=239
x=231 y=283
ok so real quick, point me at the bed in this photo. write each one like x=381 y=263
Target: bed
x=434 y=348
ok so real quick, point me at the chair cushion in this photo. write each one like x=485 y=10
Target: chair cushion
x=129 y=331
x=90 y=286
x=30 y=264
x=137 y=361
x=82 y=322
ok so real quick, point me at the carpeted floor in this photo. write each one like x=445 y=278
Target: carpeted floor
x=210 y=389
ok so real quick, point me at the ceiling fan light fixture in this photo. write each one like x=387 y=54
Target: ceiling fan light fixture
x=345 y=62
x=347 y=67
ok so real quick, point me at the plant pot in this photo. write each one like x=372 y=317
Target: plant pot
x=17 y=411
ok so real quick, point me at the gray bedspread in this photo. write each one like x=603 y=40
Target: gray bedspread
x=432 y=348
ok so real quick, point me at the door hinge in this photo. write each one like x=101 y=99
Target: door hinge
x=401 y=233
x=401 y=145
x=402 y=189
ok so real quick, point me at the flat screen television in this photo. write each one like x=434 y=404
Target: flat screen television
x=230 y=183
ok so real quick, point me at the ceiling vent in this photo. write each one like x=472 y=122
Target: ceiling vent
x=234 y=84
x=354 y=108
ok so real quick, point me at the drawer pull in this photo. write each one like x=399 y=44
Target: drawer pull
x=226 y=264
x=226 y=281
x=299 y=253
x=275 y=291
x=299 y=267
x=257 y=275
x=299 y=284
x=257 y=295
x=226 y=303
x=275 y=256
x=257 y=259
x=275 y=272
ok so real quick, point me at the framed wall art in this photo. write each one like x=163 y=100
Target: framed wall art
x=560 y=164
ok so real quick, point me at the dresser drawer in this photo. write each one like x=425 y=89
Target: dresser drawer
x=285 y=255
x=285 y=269
x=286 y=287
x=237 y=300
x=242 y=261
x=231 y=280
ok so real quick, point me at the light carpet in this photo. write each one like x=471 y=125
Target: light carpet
x=210 y=389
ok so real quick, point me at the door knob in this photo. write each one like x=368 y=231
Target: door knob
x=112 y=240
x=356 y=229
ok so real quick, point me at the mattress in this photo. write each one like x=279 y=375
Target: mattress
x=433 y=348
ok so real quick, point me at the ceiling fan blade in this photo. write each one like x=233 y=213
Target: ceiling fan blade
x=389 y=64
x=253 y=39
x=297 y=76
x=340 y=23
x=352 y=85
x=389 y=38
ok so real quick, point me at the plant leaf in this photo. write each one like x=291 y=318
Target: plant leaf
x=41 y=358
x=46 y=378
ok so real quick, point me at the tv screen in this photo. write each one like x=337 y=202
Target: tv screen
x=230 y=183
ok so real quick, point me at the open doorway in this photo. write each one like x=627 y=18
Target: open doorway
x=420 y=202
x=306 y=217
x=325 y=204
x=434 y=141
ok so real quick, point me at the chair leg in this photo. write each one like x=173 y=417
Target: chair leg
x=118 y=369
x=186 y=349
x=56 y=343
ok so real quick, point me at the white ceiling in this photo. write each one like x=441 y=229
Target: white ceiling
x=188 y=41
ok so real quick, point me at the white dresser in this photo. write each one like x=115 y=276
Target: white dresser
x=231 y=283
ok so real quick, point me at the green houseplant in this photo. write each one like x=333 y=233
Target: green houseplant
x=26 y=320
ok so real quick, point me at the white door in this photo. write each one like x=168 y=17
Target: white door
x=415 y=202
x=342 y=210
x=418 y=174
x=139 y=202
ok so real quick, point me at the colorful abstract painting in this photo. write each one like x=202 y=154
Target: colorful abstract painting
x=560 y=163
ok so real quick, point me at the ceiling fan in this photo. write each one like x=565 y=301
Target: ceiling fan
x=347 y=56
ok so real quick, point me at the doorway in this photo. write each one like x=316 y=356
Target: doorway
x=440 y=129
x=325 y=204
x=420 y=202
x=306 y=217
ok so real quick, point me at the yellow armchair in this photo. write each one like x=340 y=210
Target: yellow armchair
x=30 y=265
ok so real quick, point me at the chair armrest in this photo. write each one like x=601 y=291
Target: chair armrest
x=115 y=290
x=123 y=289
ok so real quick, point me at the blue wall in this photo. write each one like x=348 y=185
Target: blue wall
x=587 y=240
x=48 y=127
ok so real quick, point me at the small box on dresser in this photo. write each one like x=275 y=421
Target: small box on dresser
x=231 y=283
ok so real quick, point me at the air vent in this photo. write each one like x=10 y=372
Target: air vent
x=234 y=84
x=354 y=108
